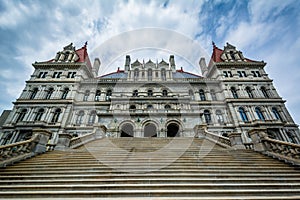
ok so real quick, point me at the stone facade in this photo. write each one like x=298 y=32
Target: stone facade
x=149 y=99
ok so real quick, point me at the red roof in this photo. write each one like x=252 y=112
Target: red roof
x=216 y=54
x=83 y=56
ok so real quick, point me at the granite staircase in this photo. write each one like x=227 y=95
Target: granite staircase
x=154 y=168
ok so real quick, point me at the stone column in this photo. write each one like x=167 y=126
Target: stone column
x=43 y=138
x=200 y=131
x=63 y=141
x=236 y=140
x=256 y=136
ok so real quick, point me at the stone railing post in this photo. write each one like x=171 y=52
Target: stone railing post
x=236 y=140
x=257 y=135
x=63 y=141
x=200 y=130
x=43 y=137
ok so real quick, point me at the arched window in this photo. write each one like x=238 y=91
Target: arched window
x=136 y=74
x=219 y=116
x=165 y=93
x=108 y=95
x=21 y=115
x=234 y=93
x=65 y=93
x=150 y=93
x=259 y=114
x=249 y=92
x=149 y=107
x=264 y=91
x=66 y=56
x=56 y=115
x=135 y=93
x=167 y=107
x=39 y=115
x=276 y=114
x=149 y=74
x=163 y=74
x=80 y=117
x=92 y=117
x=86 y=95
x=202 y=95
x=49 y=93
x=243 y=114
x=213 y=95
x=33 y=93
x=132 y=107
x=191 y=94
x=207 y=116
x=97 y=95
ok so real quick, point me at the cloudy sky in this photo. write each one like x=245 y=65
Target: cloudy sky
x=35 y=30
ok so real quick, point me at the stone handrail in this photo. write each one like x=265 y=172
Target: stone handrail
x=223 y=141
x=12 y=153
x=17 y=151
x=286 y=151
x=81 y=140
x=218 y=138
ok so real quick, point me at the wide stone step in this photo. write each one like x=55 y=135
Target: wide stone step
x=144 y=180
x=241 y=193
x=154 y=186
x=258 y=176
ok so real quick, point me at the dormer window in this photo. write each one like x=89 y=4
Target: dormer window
x=136 y=74
x=163 y=74
x=149 y=74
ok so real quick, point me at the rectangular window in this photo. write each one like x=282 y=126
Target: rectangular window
x=230 y=74
x=225 y=74
x=258 y=74
x=254 y=74
x=58 y=75
x=244 y=74
x=42 y=74
x=54 y=74
x=240 y=73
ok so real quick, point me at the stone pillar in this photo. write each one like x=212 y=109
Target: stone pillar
x=63 y=141
x=43 y=138
x=256 y=136
x=200 y=130
x=236 y=140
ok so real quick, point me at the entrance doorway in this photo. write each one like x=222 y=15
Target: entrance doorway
x=150 y=130
x=126 y=130
x=173 y=130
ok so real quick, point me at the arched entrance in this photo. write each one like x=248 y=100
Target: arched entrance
x=173 y=130
x=126 y=130
x=150 y=130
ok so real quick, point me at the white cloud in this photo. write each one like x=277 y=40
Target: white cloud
x=16 y=13
x=44 y=28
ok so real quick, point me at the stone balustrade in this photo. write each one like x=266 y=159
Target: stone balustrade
x=288 y=152
x=81 y=140
x=201 y=131
x=12 y=153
